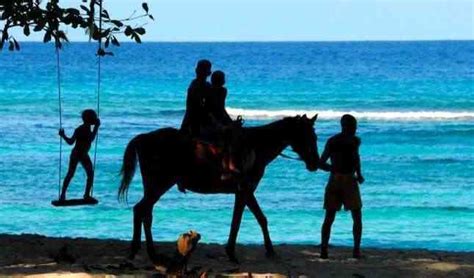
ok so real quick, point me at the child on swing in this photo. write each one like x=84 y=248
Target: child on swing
x=83 y=137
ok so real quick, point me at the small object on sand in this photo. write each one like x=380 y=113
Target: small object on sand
x=186 y=245
x=75 y=202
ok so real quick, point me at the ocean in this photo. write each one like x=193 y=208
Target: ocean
x=414 y=102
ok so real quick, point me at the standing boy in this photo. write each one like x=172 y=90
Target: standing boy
x=343 y=184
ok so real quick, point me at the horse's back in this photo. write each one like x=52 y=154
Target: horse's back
x=164 y=146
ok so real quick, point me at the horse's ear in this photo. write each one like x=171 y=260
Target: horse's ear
x=313 y=119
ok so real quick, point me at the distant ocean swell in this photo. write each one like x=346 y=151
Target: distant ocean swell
x=258 y=114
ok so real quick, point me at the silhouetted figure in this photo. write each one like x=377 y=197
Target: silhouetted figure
x=83 y=138
x=215 y=101
x=220 y=125
x=167 y=157
x=197 y=92
x=342 y=187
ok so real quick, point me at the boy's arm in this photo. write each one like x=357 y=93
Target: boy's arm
x=68 y=140
x=323 y=165
x=360 y=178
x=226 y=115
x=94 y=131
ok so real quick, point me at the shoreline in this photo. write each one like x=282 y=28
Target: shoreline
x=29 y=254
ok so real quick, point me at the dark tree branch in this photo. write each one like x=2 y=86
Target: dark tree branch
x=29 y=15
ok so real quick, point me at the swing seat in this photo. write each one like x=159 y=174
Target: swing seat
x=75 y=202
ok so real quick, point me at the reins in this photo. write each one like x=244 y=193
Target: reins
x=289 y=157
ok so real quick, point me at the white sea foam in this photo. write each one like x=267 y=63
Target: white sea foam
x=368 y=115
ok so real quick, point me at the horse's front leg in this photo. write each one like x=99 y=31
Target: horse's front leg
x=262 y=221
x=239 y=206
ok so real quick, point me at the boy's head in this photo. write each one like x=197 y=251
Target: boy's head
x=348 y=124
x=89 y=117
x=203 y=68
x=218 y=78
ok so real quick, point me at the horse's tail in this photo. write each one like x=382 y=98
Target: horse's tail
x=128 y=168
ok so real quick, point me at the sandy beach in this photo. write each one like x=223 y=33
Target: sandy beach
x=33 y=255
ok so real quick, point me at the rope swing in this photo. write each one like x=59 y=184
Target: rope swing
x=75 y=202
x=58 y=81
x=99 y=78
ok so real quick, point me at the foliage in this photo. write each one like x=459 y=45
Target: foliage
x=50 y=19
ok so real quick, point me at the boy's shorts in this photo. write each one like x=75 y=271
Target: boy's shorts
x=342 y=189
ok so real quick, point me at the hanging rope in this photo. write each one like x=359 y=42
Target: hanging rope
x=98 y=86
x=58 y=81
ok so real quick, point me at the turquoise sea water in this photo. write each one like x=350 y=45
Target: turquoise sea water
x=414 y=101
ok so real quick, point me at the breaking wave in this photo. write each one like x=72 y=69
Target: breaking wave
x=368 y=115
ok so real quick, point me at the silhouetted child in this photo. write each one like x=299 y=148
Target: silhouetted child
x=342 y=187
x=215 y=103
x=83 y=138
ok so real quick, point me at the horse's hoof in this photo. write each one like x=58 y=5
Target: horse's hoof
x=271 y=254
x=231 y=255
x=131 y=256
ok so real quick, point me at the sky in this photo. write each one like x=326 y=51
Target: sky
x=298 y=20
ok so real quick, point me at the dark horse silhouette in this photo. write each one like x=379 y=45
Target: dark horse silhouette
x=168 y=157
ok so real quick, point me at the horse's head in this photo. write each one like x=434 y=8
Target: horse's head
x=304 y=141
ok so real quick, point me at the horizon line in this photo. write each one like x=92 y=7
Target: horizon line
x=271 y=41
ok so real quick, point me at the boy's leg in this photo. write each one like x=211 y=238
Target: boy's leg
x=70 y=173
x=326 y=232
x=87 y=164
x=357 y=231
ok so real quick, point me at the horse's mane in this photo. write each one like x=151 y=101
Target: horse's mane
x=270 y=126
x=275 y=128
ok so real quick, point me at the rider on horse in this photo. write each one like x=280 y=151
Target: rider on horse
x=198 y=90
x=206 y=118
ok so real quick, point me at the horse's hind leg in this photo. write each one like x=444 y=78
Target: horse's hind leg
x=142 y=214
x=137 y=228
x=151 y=197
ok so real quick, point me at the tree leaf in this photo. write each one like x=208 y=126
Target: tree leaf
x=140 y=30
x=101 y=52
x=105 y=14
x=145 y=7
x=137 y=38
x=128 y=31
x=47 y=37
x=115 y=41
x=84 y=8
x=38 y=28
x=151 y=17
x=26 y=30
x=17 y=45
x=73 y=11
x=117 y=23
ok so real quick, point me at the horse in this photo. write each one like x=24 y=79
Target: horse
x=168 y=157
